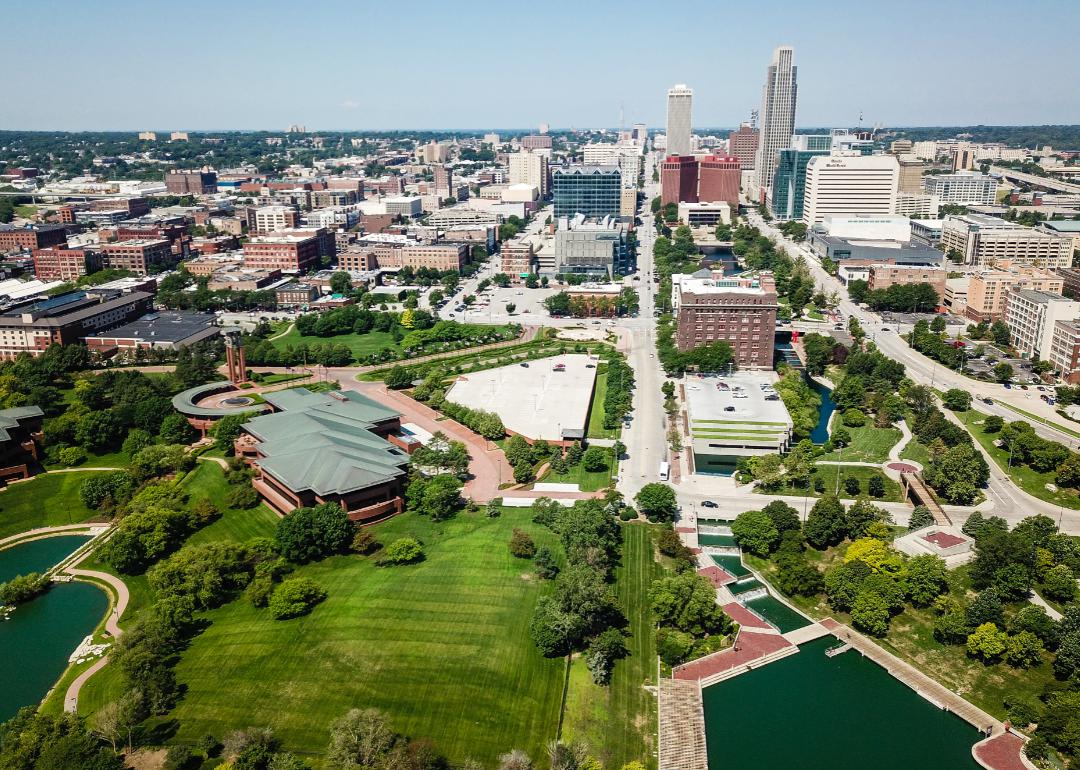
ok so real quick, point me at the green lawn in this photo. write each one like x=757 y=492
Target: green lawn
x=868 y=445
x=26 y=210
x=618 y=722
x=917 y=451
x=208 y=480
x=829 y=473
x=274 y=379
x=441 y=646
x=596 y=427
x=1024 y=477
x=114 y=459
x=588 y=481
x=49 y=500
x=361 y=345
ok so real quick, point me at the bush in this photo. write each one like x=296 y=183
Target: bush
x=295 y=597
x=594 y=459
x=522 y=545
x=312 y=533
x=854 y=418
x=406 y=550
x=242 y=496
x=259 y=590
x=72 y=455
x=876 y=486
x=364 y=542
x=178 y=758
x=852 y=486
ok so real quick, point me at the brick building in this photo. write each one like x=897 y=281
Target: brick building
x=56 y=264
x=741 y=311
x=679 y=179
x=137 y=256
x=30 y=327
x=883 y=276
x=191 y=182
x=719 y=178
x=290 y=254
x=31 y=237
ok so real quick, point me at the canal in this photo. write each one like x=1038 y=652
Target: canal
x=38 y=637
x=813 y=712
x=820 y=433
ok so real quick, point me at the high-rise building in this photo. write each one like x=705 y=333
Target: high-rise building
x=1031 y=316
x=743 y=145
x=536 y=142
x=850 y=184
x=777 y=118
x=911 y=174
x=593 y=191
x=741 y=311
x=530 y=168
x=444 y=182
x=718 y=180
x=789 y=183
x=679 y=99
x=639 y=132
x=678 y=179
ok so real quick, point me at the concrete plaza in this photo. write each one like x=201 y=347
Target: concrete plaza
x=536 y=401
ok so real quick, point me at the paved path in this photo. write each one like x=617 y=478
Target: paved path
x=1002 y=752
x=34 y=534
x=752 y=649
x=898 y=447
x=1038 y=601
x=682 y=726
x=936 y=693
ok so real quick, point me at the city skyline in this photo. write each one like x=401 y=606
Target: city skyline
x=888 y=69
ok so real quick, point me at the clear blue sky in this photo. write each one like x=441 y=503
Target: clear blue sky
x=330 y=64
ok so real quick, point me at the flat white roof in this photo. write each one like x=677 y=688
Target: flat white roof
x=708 y=400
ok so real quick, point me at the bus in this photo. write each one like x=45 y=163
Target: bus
x=665 y=468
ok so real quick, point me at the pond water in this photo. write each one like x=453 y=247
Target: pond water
x=724 y=255
x=812 y=712
x=820 y=433
x=38 y=637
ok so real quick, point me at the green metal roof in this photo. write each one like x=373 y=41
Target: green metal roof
x=9 y=418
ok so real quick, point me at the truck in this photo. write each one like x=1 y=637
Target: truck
x=665 y=470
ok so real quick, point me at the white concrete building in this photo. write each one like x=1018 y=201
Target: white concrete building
x=626 y=157
x=984 y=240
x=269 y=219
x=679 y=103
x=917 y=205
x=925 y=150
x=1031 y=316
x=963 y=188
x=406 y=207
x=850 y=184
x=778 y=99
x=868 y=228
x=530 y=167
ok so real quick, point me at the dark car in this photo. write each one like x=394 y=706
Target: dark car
x=709 y=504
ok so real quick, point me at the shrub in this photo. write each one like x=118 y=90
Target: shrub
x=72 y=455
x=295 y=597
x=854 y=418
x=364 y=542
x=522 y=545
x=259 y=590
x=876 y=486
x=852 y=486
x=242 y=496
x=405 y=550
x=178 y=758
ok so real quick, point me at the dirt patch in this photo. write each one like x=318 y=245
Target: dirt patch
x=146 y=759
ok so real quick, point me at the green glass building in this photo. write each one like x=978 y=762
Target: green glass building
x=789 y=182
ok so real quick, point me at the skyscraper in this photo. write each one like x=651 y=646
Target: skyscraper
x=841 y=185
x=593 y=191
x=679 y=100
x=679 y=179
x=777 y=118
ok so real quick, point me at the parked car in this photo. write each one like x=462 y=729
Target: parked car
x=1008 y=386
x=886 y=329
x=729 y=409
x=988 y=401
x=525 y=364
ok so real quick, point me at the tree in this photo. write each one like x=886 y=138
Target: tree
x=925 y=579
x=987 y=643
x=295 y=597
x=405 y=550
x=399 y=377
x=993 y=424
x=957 y=400
x=1003 y=372
x=999 y=331
x=175 y=429
x=840 y=437
x=657 y=502
x=1060 y=583
x=521 y=544
x=34 y=741
x=312 y=533
x=827 y=523
x=226 y=430
x=1023 y=650
x=755 y=532
x=876 y=486
x=687 y=601
x=870 y=613
x=594 y=459
x=606 y=648
x=921 y=518
x=362 y=738
x=784 y=517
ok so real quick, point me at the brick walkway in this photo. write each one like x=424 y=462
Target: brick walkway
x=1002 y=752
x=745 y=618
x=682 y=726
x=718 y=577
x=750 y=650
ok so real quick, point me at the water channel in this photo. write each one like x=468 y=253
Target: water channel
x=38 y=637
x=813 y=712
x=820 y=433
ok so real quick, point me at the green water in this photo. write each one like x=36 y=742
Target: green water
x=777 y=613
x=743 y=587
x=733 y=564
x=719 y=540
x=37 y=639
x=811 y=712
x=37 y=555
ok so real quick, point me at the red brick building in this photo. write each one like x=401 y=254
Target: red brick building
x=137 y=256
x=679 y=179
x=64 y=264
x=191 y=182
x=719 y=178
x=742 y=144
x=287 y=254
x=31 y=237
x=741 y=311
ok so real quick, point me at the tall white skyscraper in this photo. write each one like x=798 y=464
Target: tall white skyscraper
x=679 y=100
x=777 y=118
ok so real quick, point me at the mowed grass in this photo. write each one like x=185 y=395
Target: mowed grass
x=596 y=427
x=441 y=646
x=207 y=480
x=1032 y=482
x=831 y=473
x=618 y=721
x=588 y=481
x=48 y=500
x=361 y=345
x=868 y=445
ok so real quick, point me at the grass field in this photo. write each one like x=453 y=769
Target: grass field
x=49 y=500
x=361 y=345
x=588 y=481
x=618 y=722
x=596 y=427
x=868 y=445
x=208 y=480
x=829 y=473
x=116 y=459
x=441 y=646
x=917 y=451
x=1030 y=481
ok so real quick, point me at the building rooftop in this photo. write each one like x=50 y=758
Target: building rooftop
x=740 y=408
x=163 y=326
x=9 y=418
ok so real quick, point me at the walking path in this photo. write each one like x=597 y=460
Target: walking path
x=35 y=534
x=1002 y=752
x=682 y=726
x=112 y=625
x=1038 y=601
x=899 y=446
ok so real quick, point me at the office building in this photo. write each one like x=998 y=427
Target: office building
x=900 y=147
x=882 y=276
x=1031 y=316
x=741 y=311
x=1065 y=351
x=287 y=253
x=628 y=199
x=983 y=240
x=593 y=191
x=911 y=174
x=705 y=214
x=536 y=142
x=678 y=179
x=925 y=151
x=718 y=180
x=31 y=237
x=965 y=188
x=31 y=326
x=531 y=168
x=626 y=157
x=191 y=182
x=778 y=98
x=963 y=157
x=639 y=133
x=679 y=103
x=1068 y=228
x=788 y=190
x=57 y=264
x=742 y=144
x=296 y=294
x=917 y=205
x=138 y=256
x=408 y=208
x=850 y=184
x=987 y=290
x=444 y=182
x=594 y=247
x=518 y=260
x=339 y=447
x=268 y=219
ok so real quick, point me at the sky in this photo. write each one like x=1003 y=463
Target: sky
x=359 y=65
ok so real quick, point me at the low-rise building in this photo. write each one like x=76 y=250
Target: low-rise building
x=883 y=276
x=20 y=436
x=296 y=295
x=740 y=311
x=139 y=256
x=410 y=208
x=704 y=214
x=30 y=237
x=517 y=259
x=983 y=240
x=1065 y=351
x=988 y=289
x=594 y=247
x=962 y=188
x=57 y=264
x=337 y=447
x=289 y=254
x=164 y=330
x=240 y=278
x=30 y=327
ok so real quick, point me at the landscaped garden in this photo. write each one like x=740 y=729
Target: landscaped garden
x=869 y=444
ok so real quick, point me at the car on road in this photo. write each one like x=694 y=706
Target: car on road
x=886 y=329
x=988 y=401
x=1008 y=386
x=729 y=409
x=709 y=504
x=525 y=364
